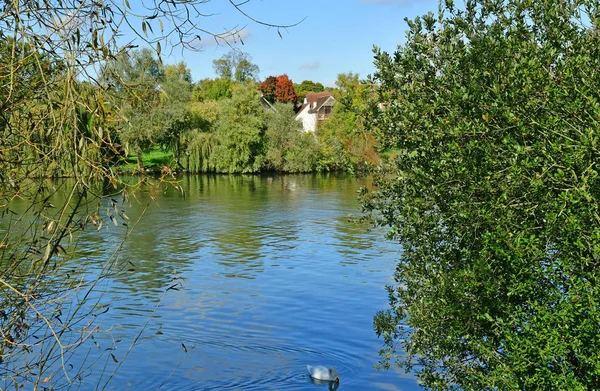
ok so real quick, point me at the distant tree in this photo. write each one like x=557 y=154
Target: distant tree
x=345 y=139
x=223 y=68
x=240 y=132
x=236 y=65
x=173 y=115
x=154 y=101
x=212 y=89
x=179 y=70
x=285 y=92
x=269 y=88
x=278 y=89
x=287 y=147
x=307 y=86
x=349 y=86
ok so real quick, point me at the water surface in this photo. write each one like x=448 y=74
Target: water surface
x=271 y=275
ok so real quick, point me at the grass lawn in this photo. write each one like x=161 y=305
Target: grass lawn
x=155 y=157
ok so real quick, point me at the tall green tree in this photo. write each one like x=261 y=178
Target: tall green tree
x=136 y=78
x=154 y=101
x=240 y=132
x=211 y=89
x=236 y=65
x=494 y=196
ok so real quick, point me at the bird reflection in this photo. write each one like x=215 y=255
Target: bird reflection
x=331 y=385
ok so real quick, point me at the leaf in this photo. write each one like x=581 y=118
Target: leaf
x=184 y=348
x=144 y=27
x=114 y=358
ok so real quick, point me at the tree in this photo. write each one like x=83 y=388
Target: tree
x=136 y=78
x=285 y=90
x=269 y=88
x=493 y=111
x=236 y=65
x=307 y=86
x=347 y=142
x=349 y=86
x=278 y=89
x=240 y=132
x=212 y=89
x=223 y=68
x=288 y=148
x=57 y=118
x=179 y=71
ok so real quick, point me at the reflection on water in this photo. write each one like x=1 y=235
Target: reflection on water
x=273 y=276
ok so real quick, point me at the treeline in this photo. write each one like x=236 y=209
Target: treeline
x=233 y=123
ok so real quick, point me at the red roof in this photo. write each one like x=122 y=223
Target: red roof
x=315 y=99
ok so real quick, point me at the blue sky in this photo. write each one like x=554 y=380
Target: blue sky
x=336 y=36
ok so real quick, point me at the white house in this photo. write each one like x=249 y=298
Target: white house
x=317 y=106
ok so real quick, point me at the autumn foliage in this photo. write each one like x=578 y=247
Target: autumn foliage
x=268 y=88
x=280 y=89
x=285 y=92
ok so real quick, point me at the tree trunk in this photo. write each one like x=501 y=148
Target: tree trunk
x=140 y=160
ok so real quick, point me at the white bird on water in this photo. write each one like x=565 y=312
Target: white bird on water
x=320 y=372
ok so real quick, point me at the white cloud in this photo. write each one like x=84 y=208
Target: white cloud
x=311 y=65
x=228 y=38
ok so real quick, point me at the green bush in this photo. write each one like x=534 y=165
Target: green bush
x=288 y=148
x=494 y=196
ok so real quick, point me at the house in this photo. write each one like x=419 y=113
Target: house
x=317 y=106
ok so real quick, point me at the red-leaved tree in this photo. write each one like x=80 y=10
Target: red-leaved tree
x=285 y=92
x=268 y=88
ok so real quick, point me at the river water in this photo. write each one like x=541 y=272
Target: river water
x=269 y=274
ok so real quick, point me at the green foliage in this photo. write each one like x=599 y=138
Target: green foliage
x=346 y=142
x=204 y=115
x=494 y=196
x=199 y=141
x=288 y=148
x=70 y=91
x=212 y=89
x=236 y=65
x=178 y=71
x=240 y=132
x=154 y=103
x=307 y=86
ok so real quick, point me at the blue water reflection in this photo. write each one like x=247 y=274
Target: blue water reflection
x=271 y=275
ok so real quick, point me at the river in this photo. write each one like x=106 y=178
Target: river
x=268 y=274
